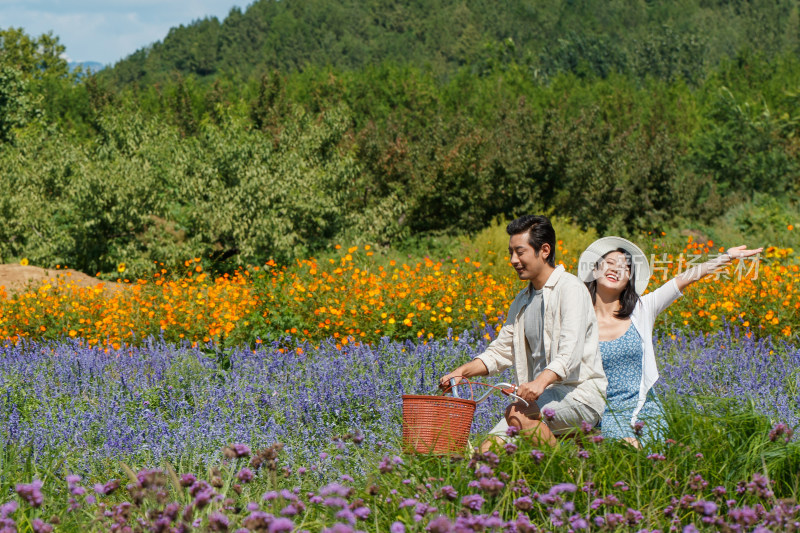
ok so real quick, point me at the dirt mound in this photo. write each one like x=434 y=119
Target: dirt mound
x=16 y=278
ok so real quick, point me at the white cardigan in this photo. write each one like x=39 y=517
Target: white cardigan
x=643 y=318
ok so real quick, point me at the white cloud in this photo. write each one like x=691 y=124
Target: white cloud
x=107 y=31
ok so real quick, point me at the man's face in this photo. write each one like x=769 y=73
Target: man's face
x=523 y=257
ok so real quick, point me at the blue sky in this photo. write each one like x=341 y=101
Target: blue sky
x=108 y=30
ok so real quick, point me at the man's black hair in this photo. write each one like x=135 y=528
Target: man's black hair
x=628 y=298
x=539 y=230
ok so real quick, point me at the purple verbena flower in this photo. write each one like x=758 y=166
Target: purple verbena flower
x=218 y=521
x=473 y=501
x=281 y=525
x=245 y=475
x=440 y=524
x=39 y=526
x=31 y=492
x=561 y=488
x=705 y=507
x=449 y=492
x=237 y=451
x=524 y=503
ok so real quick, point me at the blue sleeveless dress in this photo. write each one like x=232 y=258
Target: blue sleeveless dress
x=622 y=362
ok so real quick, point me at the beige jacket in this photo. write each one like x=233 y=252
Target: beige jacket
x=570 y=341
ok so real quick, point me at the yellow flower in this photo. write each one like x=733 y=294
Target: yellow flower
x=121 y=268
x=23 y=261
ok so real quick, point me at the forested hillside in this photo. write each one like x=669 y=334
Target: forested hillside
x=674 y=39
x=297 y=125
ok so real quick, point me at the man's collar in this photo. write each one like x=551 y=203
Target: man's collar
x=554 y=276
x=551 y=280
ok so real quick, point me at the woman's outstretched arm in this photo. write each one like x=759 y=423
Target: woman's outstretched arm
x=700 y=271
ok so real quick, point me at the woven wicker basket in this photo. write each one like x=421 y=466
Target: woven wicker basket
x=436 y=424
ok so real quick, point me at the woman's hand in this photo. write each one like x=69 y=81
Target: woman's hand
x=695 y=273
x=740 y=252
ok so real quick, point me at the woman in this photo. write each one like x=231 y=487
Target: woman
x=616 y=272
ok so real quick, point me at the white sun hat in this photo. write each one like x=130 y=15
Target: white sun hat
x=589 y=258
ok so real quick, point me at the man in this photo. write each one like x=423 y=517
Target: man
x=549 y=337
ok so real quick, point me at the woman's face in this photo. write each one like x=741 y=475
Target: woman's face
x=613 y=272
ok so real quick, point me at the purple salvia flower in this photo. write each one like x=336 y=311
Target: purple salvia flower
x=397 y=527
x=510 y=448
x=537 y=456
x=362 y=513
x=187 y=480
x=549 y=414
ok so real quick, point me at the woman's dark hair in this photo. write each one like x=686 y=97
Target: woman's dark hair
x=628 y=298
x=540 y=231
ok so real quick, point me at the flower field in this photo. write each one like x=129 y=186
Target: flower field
x=356 y=297
x=270 y=400
x=169 y=412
